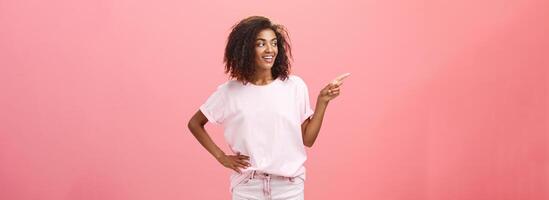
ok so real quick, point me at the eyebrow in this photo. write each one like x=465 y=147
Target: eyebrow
x=265 y=39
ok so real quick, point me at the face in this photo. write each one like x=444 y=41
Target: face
x=266 y=49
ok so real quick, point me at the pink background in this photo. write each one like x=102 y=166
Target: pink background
x=447 y=99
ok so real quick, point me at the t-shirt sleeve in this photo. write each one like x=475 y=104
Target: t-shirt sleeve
x=215 y=106
x=304 y=103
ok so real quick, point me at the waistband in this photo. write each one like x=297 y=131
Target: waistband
x=266 y=177
x=262 y=175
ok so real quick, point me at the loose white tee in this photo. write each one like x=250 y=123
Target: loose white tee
x=264 y=123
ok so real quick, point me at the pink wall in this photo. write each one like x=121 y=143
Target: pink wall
x=448 y=99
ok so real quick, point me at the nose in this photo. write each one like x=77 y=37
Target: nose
x=269 y=48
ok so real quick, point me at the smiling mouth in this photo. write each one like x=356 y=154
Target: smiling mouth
x=268 y=58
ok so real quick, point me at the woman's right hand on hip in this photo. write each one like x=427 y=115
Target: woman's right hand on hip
x=235 y=162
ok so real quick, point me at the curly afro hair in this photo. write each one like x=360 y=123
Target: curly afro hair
x=240 y=52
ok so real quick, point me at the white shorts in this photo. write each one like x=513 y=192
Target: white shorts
x=262 y=186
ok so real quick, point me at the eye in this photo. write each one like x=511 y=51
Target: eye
x=260 y=44
x=274 y=44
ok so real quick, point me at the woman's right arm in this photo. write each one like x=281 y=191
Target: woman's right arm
x=196 y=126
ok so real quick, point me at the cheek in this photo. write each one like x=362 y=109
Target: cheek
x=257 y=54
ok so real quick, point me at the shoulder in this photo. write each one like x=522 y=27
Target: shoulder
x=229 y=85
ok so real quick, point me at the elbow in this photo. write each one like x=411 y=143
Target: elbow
x=308 y=141
x=195 y=124
x=192 y=125
x=308 y=144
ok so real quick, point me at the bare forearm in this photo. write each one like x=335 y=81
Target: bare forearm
x=313 y=127
x=204 y=139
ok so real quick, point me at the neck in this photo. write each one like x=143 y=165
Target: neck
x=262 y=77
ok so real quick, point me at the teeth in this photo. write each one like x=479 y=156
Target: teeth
x=268 y=57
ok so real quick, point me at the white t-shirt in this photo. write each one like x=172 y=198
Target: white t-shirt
x=264 y=123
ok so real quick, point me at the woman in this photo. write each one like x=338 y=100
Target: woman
x=265 y=113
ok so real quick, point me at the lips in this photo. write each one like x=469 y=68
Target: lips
x=268 y=58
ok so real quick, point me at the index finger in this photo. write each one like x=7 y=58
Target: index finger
x=340 y=78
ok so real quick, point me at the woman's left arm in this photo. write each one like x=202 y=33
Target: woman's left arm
x=311 y=127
